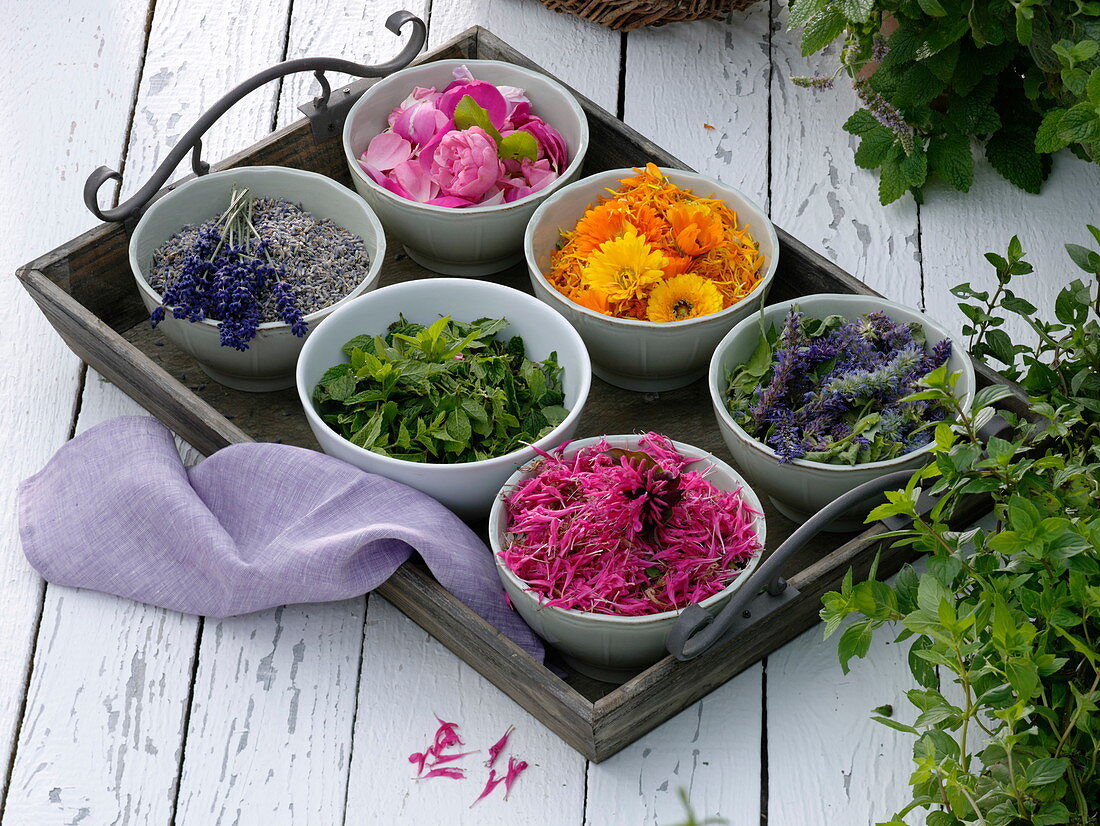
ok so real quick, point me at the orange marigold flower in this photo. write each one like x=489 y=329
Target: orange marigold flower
x=695 y=228
x=593 y=300
x=685 y=296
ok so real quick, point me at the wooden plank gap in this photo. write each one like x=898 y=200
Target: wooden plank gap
x=764 y=742
x=620 y=101
x=24 y=693
x=355 y=709
x=277 y=111
x=149 y=13
x=185 y=724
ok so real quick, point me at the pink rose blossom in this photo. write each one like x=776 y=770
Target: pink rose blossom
x=466 y=163
x=422 y=156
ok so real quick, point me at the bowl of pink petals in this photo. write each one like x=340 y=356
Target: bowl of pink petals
x=454 y=156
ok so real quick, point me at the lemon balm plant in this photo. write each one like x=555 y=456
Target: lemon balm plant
x=1003 y=623
x=1021 y=77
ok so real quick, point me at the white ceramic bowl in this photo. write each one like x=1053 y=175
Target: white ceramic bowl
x=466 y=488
x=801 y=488
x=475 y=240
x=627 y=352
x=605 y=646
x=268 y=363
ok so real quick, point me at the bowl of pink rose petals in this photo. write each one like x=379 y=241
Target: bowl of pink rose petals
x=455 y=155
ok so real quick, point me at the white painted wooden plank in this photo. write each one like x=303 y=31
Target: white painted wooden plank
x=819 y=195
x=682 y=78
x=958 y=229
x=407 y=678
x=271 y=720
x=197 y=52
x=828 y=762
x=275 y=694
x=710 y=751
x=582 y=54
x=65 y=88
x=108 y=695
x=353 y=31
x=679 y=80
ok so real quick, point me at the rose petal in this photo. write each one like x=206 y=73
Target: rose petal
x=484 y=95
x=414 y=179
x=450 y=201
x=375 y=174
x=387 y=150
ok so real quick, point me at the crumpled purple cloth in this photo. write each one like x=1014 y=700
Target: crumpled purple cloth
x=251 y=527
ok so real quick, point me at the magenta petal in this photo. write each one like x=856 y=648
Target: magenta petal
x=550 y=141
x=427 y=151
x=521 y=113
x=451 y=201
x=425 y=122
x=485 y=95
x=375 y=175
x=387 y=150
x=396 y=188
x=413 y=178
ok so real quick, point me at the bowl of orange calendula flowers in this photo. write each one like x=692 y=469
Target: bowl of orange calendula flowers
x=652 y=267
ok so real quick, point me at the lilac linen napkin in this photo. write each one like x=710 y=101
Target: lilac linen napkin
x=252 y=526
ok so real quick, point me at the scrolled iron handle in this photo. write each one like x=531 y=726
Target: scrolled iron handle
x=696 y=631
x=192 y=139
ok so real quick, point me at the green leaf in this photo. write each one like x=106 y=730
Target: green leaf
x=468 y=113
x=1046 y=770
x=932 y=7
x=874 y=147
x=821 y=30
x=989 y=396
x=1011 y=152
x=892 y=184
x=1053 y=813
x=854 y=642
x=1084 y=258
x=803 y=10
x=950 y=158
x=857 y=10
x=341 y=387
x=1048 y=138
x=914 y=168
x=519 y=145
x=1079 y=124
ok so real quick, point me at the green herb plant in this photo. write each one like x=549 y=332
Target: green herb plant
x=447 y=393
x=1003 y=624
x=1022 y=77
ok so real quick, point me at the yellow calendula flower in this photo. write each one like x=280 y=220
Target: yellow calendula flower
x=624 y=267
x=685 y=296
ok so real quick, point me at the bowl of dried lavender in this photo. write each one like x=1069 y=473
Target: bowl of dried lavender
x=237 y=267
x=813 y=395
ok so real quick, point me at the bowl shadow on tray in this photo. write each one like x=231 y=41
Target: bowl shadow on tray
x=684 y=414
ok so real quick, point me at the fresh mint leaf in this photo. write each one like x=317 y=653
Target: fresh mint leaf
x=951 y=159
x=451 y=392
x=821 y=30
x=1012 y=152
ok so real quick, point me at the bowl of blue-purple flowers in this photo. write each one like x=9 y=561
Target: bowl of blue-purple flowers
x=813 y=395
x=238 y=266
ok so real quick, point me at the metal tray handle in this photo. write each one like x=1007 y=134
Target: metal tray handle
x=696 y=632
x=192 y=139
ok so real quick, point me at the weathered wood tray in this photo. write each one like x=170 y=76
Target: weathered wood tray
x=86 y=290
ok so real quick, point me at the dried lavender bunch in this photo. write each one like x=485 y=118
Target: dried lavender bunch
x=227 y=275
x=831 y=390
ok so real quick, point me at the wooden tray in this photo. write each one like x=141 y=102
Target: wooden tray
x=87 y=291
